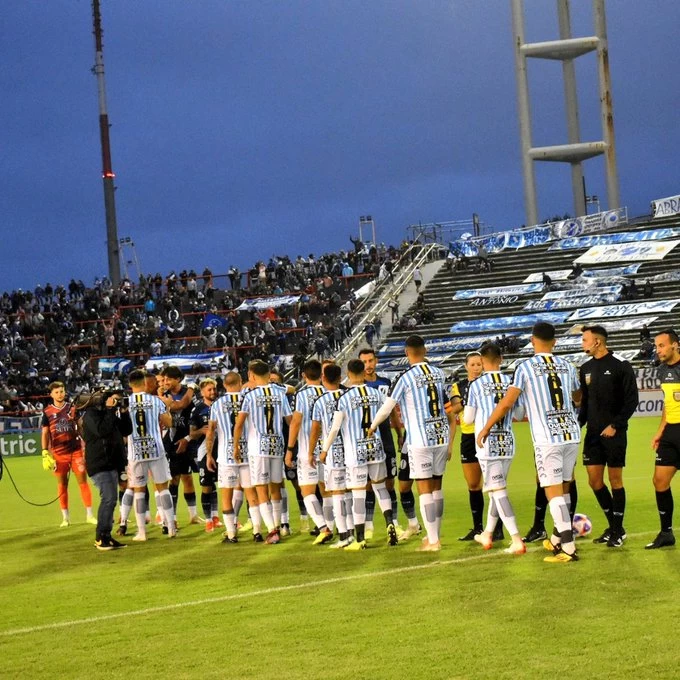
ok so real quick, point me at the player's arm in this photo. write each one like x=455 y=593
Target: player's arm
x=451 y=417
x=583 y=405
x=469 y=413
x=397 y=424
x=338 y=417
x=501 y=410
x=45 y=438
x=630 y=401
x=456 y=399
x=238 y=433
x=179 y=404
x=314 y=436
x=383 y=413
x=657 y=437
x=209 y=444
x=165 y=419
x=293 y=432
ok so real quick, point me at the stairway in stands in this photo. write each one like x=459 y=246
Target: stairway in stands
x=512 y=267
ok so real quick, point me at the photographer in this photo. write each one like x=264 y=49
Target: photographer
x=104 y=425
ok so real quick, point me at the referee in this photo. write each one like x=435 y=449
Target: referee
x=666 y=441
x=609 y=399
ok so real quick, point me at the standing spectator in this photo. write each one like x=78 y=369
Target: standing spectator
x=417 y=278
x=393 y=304
x=648 y=290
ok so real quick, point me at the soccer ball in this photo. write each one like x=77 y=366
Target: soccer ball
x=582 y=525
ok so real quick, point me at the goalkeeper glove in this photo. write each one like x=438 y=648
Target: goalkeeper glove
x=48 y=462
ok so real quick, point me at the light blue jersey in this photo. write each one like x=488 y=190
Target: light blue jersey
x=266 y=407
x=224 y=412
x=146 y=440
x=360 y=405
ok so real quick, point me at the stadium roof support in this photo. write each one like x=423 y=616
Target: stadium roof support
x=566 y=49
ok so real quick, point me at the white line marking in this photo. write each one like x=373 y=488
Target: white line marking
x=265 y=591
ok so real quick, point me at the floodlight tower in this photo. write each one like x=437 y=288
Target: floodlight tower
x=112 y=245
x=566 y=49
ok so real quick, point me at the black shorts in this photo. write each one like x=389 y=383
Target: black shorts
x=468 y=450
x=609 y=451
x=205 y=476
x=404 y=474
x=668 y=451
x=182 y=464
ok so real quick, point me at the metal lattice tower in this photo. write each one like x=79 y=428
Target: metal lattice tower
x=566 y=49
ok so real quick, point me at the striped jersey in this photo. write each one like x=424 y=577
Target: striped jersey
x=323 y=412
x=146 y=440
x=303 y=402
x=483 y=396
x=224 y=412
x=360 y=405
x=266 y=407
x=547 y=383
x=421 y=394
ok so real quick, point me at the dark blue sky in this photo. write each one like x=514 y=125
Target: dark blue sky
x=242 y=129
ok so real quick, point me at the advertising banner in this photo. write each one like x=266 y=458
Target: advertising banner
x=612 y=239
x=445 y=345
x=630 y=309
x=519 y=289
x=665 y=207
x=503 y=323
x=652 y=250
x=569 y=302
x=24 y=444
x=588 y=224
x=183 y=361
x=619 y=325
x=259 y=304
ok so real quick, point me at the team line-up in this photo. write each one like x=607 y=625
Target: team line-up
x=334 y=442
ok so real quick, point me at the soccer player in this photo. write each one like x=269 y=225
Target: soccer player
x=609 y=399
x=299 y=431
x=146 y=454
x=61 y=442
x=383 y=384
x=666 y=441
x=264 y=409
x=498 y=451
x=335 y=472
x=198 y=429
x=364 y=455
x=179 y=400
x=231 y=475
x=468 y=453
x=547 y=385
x=428 y=418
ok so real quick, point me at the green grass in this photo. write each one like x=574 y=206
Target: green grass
x=384 y=613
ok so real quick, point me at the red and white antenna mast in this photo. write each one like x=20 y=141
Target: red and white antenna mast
x=112 y=244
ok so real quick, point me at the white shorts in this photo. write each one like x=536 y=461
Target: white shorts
x=335 y=479
x=495 y=472
x=231 y=476
x=265 y=470
x=138 y=472
x=427 y=461
x=555 y=462
x=307 y=475
x=358 y=476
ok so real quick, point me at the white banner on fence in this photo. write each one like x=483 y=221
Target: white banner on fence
x=447 y=345
x=576 y=226
x=555 y=275
x=619 y=324
x=663 y=207
x=621 y=252
x=570 y=302
x=253 y=304
x=581 y=290
x=519 y=289
x=631 y=309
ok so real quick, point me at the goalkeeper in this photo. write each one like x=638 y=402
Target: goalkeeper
x=62 y=451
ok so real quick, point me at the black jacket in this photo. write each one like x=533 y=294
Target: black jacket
x=103 y=433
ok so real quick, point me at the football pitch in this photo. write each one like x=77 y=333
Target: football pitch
x=196 y=608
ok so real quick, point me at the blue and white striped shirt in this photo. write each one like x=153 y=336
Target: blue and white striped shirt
x=360 y=404
x=146 y=440
x=547 y=383
x=323 y=412
x=483 y=396
x=421 y=394
x=266 y=407
x=304 y=400
x=224 y=412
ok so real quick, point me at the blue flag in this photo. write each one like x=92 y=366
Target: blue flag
x=214 y=321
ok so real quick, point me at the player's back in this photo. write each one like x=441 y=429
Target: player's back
x=547 y=383
x=360 y=404
x=224 y=412
x=484 y=395
x=145 y=441
x=304 y=401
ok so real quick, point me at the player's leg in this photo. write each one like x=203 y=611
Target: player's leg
x=602 y=494
x=308 y=478
x=138 y=476
x=421 y=460
x=190 y=492
x=205 y=482
x=473 y=478
x=61 y=473
x=377 y=474
x=78 y=469
x=285 y=513
x=391 y=467
x=335 y=484
x=160 y=470
x=370 y=511
x=326 y=502
x=126 y=502
x=275 y=481
x=406 y=496
x=254 y=512
x=357 y=479
x=439 y=459
x=227 y=483
x=556 y=470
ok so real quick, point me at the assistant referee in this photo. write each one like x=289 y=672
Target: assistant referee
x=609 y=399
